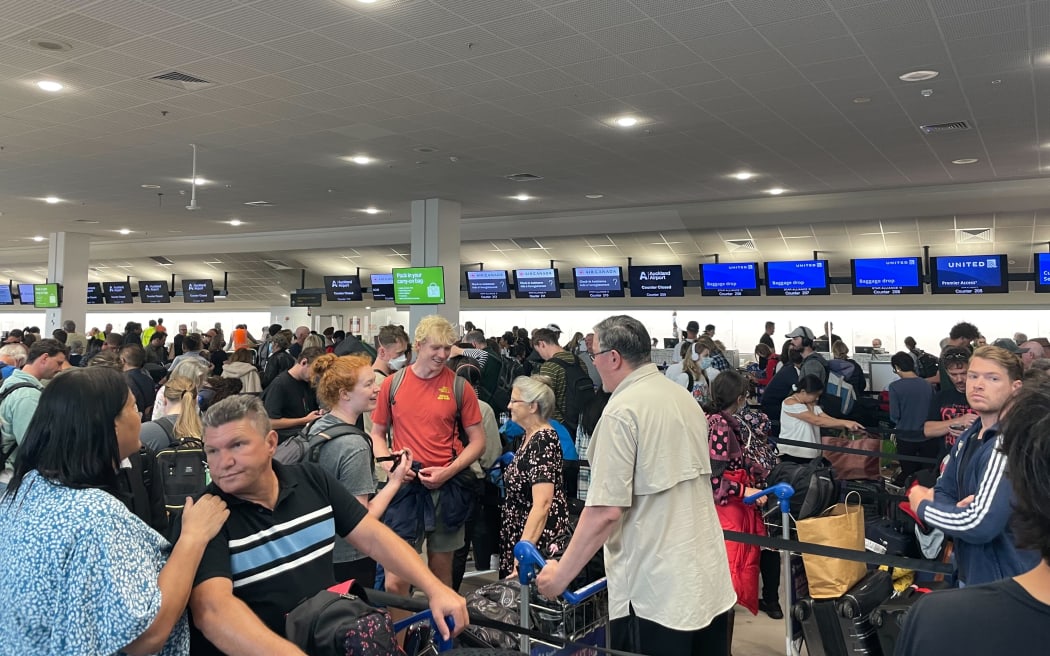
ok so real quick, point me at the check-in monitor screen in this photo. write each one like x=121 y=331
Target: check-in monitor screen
x=729 y=279
x=797 y=278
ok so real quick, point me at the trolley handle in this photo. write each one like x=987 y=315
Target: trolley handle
x=530 y=561
x=782 y=491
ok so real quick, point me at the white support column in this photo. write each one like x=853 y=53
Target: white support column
x=435 y=242
x=68 y=256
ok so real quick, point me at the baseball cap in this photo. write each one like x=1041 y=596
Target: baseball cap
x=692 y=327
x=553 y=327
x=801 y=331
x=1010 y=345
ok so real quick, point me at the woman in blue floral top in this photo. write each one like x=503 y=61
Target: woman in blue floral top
x=79 y=573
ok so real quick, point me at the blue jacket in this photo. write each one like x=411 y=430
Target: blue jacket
x=984 y=542
x=411 y=512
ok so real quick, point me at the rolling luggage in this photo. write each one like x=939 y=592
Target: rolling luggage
x=882 y=537
x=843 y=627
x=888 y=618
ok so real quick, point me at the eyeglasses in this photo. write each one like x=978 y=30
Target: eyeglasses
x=595 y=354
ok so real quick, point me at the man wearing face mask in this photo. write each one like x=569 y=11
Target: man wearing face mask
x=391 y=345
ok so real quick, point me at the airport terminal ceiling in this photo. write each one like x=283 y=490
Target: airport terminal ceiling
x=640 y=118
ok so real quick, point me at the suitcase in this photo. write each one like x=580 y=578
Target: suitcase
x=882 y=537
x=842 y=627
x=888 y=619
x=872 y=496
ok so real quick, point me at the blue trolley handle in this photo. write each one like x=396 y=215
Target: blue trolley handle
x=530 y=562
x=782 y=491
x=424 y=616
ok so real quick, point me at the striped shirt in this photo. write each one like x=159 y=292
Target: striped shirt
x=278 y=558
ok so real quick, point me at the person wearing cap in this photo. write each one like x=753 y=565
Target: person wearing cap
x=692 y=331
x=972 y=500
x=812 y=362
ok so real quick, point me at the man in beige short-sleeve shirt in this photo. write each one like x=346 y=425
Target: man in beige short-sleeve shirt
x=650 y=503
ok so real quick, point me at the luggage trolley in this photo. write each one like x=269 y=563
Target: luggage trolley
x=783 y=492
x=580 y=617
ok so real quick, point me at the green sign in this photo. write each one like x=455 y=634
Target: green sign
x=45 y=296
x=419 y=286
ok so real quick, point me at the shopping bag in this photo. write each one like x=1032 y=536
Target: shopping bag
x=853 y=466
x=841 y=526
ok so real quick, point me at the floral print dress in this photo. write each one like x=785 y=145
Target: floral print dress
x=539 y=460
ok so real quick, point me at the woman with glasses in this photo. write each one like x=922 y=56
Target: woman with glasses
x=534 y=508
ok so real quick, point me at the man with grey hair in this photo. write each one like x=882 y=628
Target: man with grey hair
x=13 y=356
x=1034 y=352
x=74 y=340
x=275 y=549
x=669 y=586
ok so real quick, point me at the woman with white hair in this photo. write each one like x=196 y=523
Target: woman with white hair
x=534 y=508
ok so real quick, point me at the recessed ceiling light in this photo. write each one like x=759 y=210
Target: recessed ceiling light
x=197 y=181
x=775 y=191
x=626 y=121
x=744 y=175
x=124 y=231
x=235 y=222
x=360 y=159
x=861 y=100
x=595 y=196
x=50 y=44
x=39 y=238
x=523 y=197
x=149 y=186
x=366 y=2
x=51 y=200
x=50 y=85
x=371 y=210
x=965 y=160
x=918 y=76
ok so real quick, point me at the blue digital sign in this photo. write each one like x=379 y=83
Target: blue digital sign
x=598 y=282
x=537 y=283
x=25 y=293
x=886 y=276
x=797 y=278
x=487 y=285
x=382 y=286
x=5 y=295
x=969 y=274
x=730 y=279
x=1042 y=273
x=656 y=281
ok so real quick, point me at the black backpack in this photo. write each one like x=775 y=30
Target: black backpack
x=813 y=482
x=927 y=365
x=6 y=453
x=334 y=624
x=579 y=391
x=497 y=379
x=298 y=448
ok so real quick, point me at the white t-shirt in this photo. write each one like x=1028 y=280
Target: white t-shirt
x=793 y=428
x=677 y=355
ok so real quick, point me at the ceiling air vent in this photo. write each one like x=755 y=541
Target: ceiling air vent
x=277 y=265
x=736 y=245
x=259 y=203
x=954 y=126
x=524 y=177
x=182 y=81
x=163 y=261
x=974 y=236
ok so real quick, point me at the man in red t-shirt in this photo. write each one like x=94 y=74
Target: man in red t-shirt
x=423 y=420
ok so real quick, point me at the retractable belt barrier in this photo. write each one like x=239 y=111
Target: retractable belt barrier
x=844 y=554
x=860 y=452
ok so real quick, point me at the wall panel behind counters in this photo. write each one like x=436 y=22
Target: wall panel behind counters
x=740 y=328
